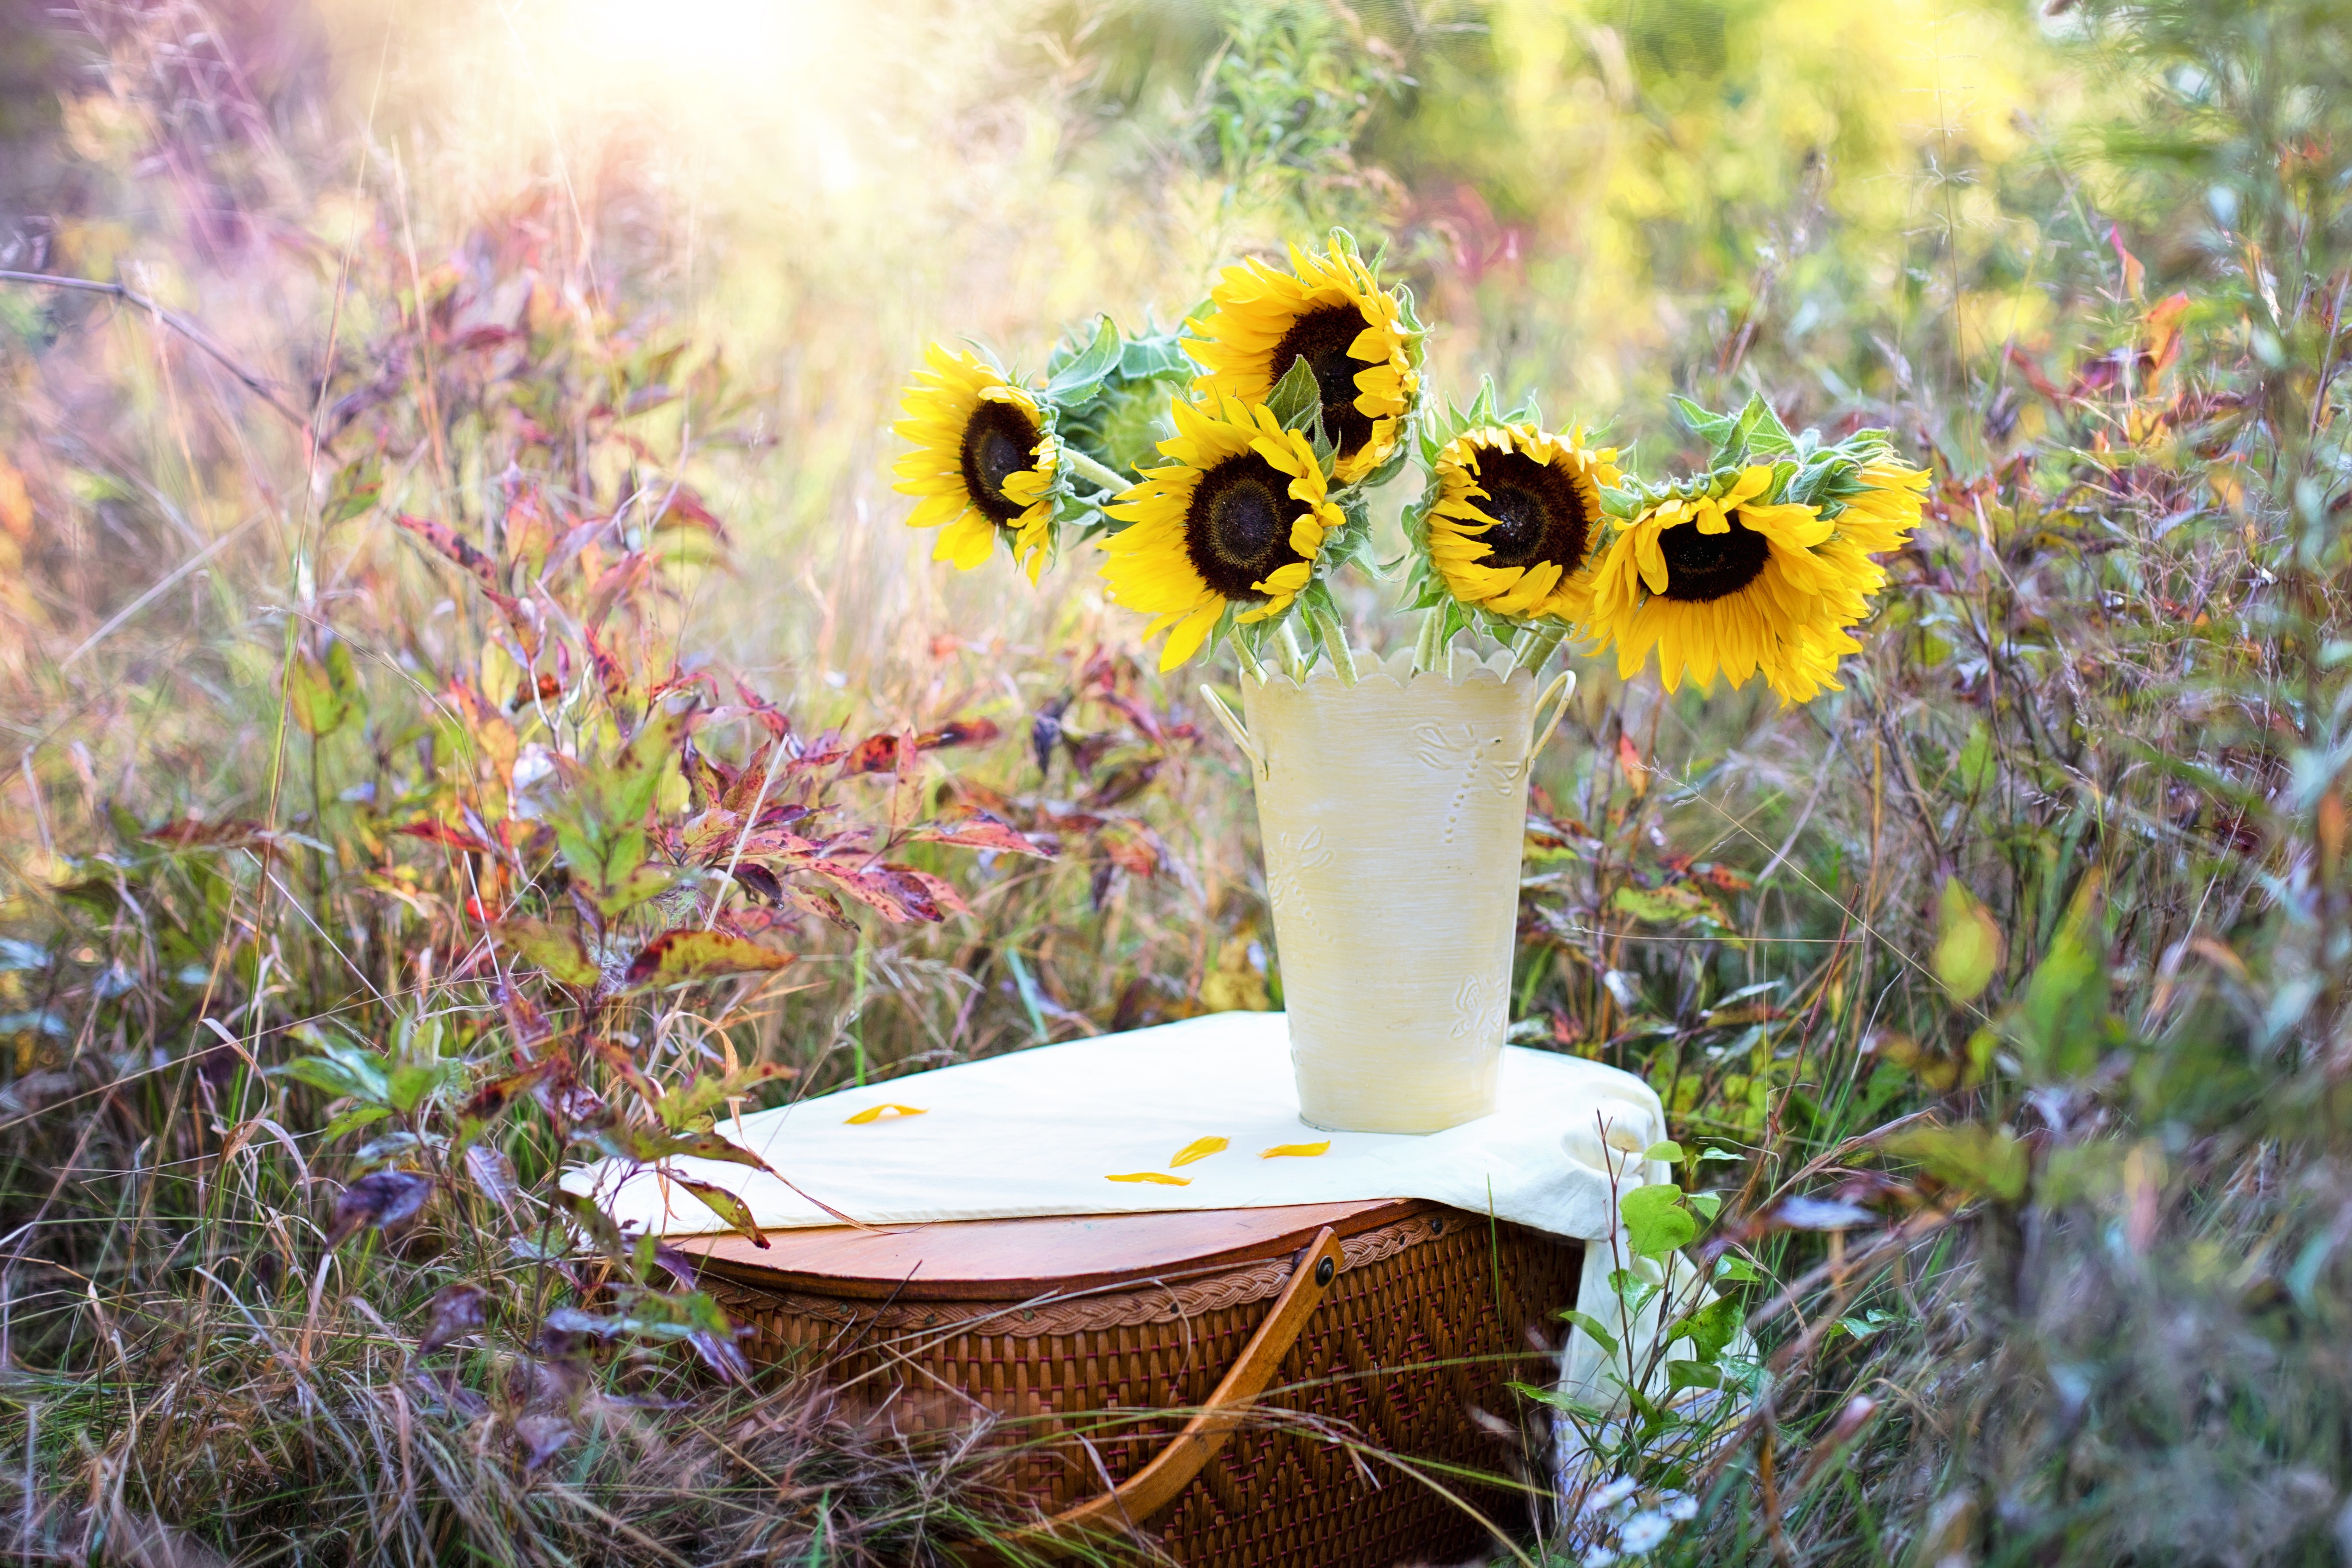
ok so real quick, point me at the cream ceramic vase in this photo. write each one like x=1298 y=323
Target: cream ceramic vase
x=1391 y=815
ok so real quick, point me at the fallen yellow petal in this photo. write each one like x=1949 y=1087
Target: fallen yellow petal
x=1157 y=1178
x=1302 y=1150
x=1199 y=1149
x=877 y=1112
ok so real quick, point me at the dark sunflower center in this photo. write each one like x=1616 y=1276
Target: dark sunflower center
x=1321 y=338
x=997 y=443
x=1704 y=567
x=1237 y=530
x=1539 y=512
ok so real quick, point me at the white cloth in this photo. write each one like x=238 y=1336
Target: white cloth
x=1039 y=1132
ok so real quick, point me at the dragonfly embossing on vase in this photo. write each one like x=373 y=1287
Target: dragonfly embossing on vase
x=1285 y=886
x=1463 y=752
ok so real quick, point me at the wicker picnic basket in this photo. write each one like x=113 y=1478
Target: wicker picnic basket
x=1191 y=1370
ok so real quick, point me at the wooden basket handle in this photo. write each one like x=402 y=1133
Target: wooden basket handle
x=1157 y=1484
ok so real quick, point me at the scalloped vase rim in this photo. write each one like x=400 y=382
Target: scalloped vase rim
x=1396 y=672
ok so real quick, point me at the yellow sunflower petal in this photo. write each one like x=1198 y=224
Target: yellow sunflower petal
x=873 y=1113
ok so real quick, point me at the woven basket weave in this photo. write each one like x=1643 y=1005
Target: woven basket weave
x=1428 y=1314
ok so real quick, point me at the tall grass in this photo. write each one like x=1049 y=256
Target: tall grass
x=2018 y=965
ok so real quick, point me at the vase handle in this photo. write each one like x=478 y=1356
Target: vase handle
x=1562 y=688
x=1239 y=732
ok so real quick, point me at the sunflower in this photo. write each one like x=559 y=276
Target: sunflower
x=1728 y=579
x=1888 y=509
x=983 y=462
x=1517 y=518
x=1330 y=311
x=1237 y=518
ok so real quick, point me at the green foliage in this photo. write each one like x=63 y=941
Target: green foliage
x=1968 y=945
x=1657 y=1221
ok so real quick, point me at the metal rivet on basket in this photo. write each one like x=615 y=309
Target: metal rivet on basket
x=1324 y=1271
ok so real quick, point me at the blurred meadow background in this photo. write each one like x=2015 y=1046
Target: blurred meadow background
x=2010 y=979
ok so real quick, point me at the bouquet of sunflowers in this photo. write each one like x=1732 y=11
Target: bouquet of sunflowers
x=1224 y=470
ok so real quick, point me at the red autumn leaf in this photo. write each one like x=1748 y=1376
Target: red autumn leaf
x=685 y=510
x=958 y=732
x=747 y=788
x=772 y=718
x=527 y=528
x=873 y=755
x=2135 y=274
x=759 y=880
x=546 y=688
x=1136 y=714
x=540 y=1438
x=1131 y=853
x=1123 y=783
x=524 y=617
x=980 y=830
x=478 y=709
x=610 y=673
x=559 y=950
x=877 y=890
x=457 y=1310
x=821 y=753
x=623 y=577
x=698 y=680
x=524 y=1018
x=676 y=957
x=752 y=924
x=441 y=833
x=2160 y=336
x=446 y=540
x=824 y=906
x=614 y=1055
x=910 y=894
x=562 y=1095
x=942 y=891
x=190 y=834
x=725 y=1204
x=494 y=1096
x=492 y=1173
x=474 y=339
x=379 y=1199
x=1636 y=776
x=2033 y=374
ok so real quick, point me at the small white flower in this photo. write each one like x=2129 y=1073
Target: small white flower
x=1610 y=1496
x=1643 y=1531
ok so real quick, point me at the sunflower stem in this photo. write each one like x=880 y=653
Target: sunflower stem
x=1335 y=643
x=1249 y=661
x=1094 y=473
x=1535 y=647
x=1294 y=657
x=1425 y=646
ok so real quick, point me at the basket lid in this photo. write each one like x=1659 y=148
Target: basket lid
x=1015 y=1259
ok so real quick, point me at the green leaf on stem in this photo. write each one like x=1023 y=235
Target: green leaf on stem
x=1656 y=1223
